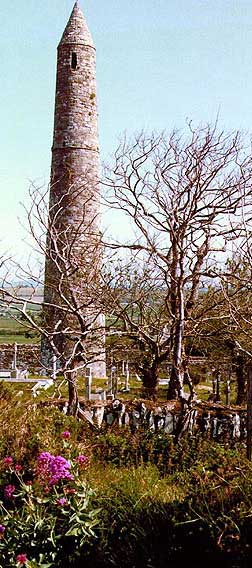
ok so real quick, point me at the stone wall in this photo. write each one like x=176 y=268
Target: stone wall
x=28 y=356
x=215 y=421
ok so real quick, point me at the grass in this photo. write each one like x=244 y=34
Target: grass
x=19 y=339
x=156 y=499
x=12 y=331
x=60 y=389
x=141 y=484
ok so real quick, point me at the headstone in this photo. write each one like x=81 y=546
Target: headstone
x=135 y=418
x=110 y=418
x=150 y=421
x=236 y=422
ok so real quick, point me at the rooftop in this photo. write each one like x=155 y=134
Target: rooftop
x=76 y=31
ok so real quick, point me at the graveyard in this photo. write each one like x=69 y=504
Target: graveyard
x=123 y=466
x=187 y=481
x=177 y=471
x=193 y=493
x=125 y=357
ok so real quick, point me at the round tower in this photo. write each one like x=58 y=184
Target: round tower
x=75 y=142
x=73 y=251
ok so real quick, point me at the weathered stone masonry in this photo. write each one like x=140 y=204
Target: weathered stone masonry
x=213 y=421
x=74 y=192
x=28 y=356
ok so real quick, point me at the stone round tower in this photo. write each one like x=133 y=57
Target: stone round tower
x=75 y=141
x=73 y=316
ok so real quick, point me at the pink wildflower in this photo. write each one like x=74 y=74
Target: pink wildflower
x=70 y=490
x=9 y=490
x=18 y=467
x=8 y=461
x=21 y=559
x=62 y=502
x=82 y=460
x=2 y=531
x=66 y=434
x=52 y=469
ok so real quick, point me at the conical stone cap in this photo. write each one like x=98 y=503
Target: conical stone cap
x=76 y=31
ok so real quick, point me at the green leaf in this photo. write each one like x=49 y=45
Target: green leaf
x=73 y=532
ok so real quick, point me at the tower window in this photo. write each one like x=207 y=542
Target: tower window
x=74 y=60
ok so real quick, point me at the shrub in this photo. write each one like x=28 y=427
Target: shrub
x=143 y=500
x=28 y=428
x=47 y=517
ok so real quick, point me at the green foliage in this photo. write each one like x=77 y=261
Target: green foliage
x=144 y=500
x=51 y=524
x=190 y=513
x=28 y=428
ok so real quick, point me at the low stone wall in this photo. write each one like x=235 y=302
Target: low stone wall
x=28 y=356
x=215 y=421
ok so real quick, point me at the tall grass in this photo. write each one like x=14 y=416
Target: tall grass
x=161 y=505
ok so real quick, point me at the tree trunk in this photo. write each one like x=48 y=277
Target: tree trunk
x=175 y=388
x=150 y=381
x=241 y=381
x=188 y=381
x=73 y=400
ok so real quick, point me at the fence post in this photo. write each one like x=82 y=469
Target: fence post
x=249 y=413
x=127 y=376
x=111 y=379
x=54 y=369
x=218 y=379
x=89 y=384
x=15 y=357
x=228 y=391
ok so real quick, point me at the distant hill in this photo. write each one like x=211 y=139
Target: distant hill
x=26 y=293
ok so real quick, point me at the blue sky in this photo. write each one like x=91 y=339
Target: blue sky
x=159 y=63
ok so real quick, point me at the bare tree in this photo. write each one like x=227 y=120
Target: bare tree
x=72 y=323
x=216 y=335
x=235 y=287
x=187 y=198
x=138 y=315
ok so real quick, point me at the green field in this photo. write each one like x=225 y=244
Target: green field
x=12 y=331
